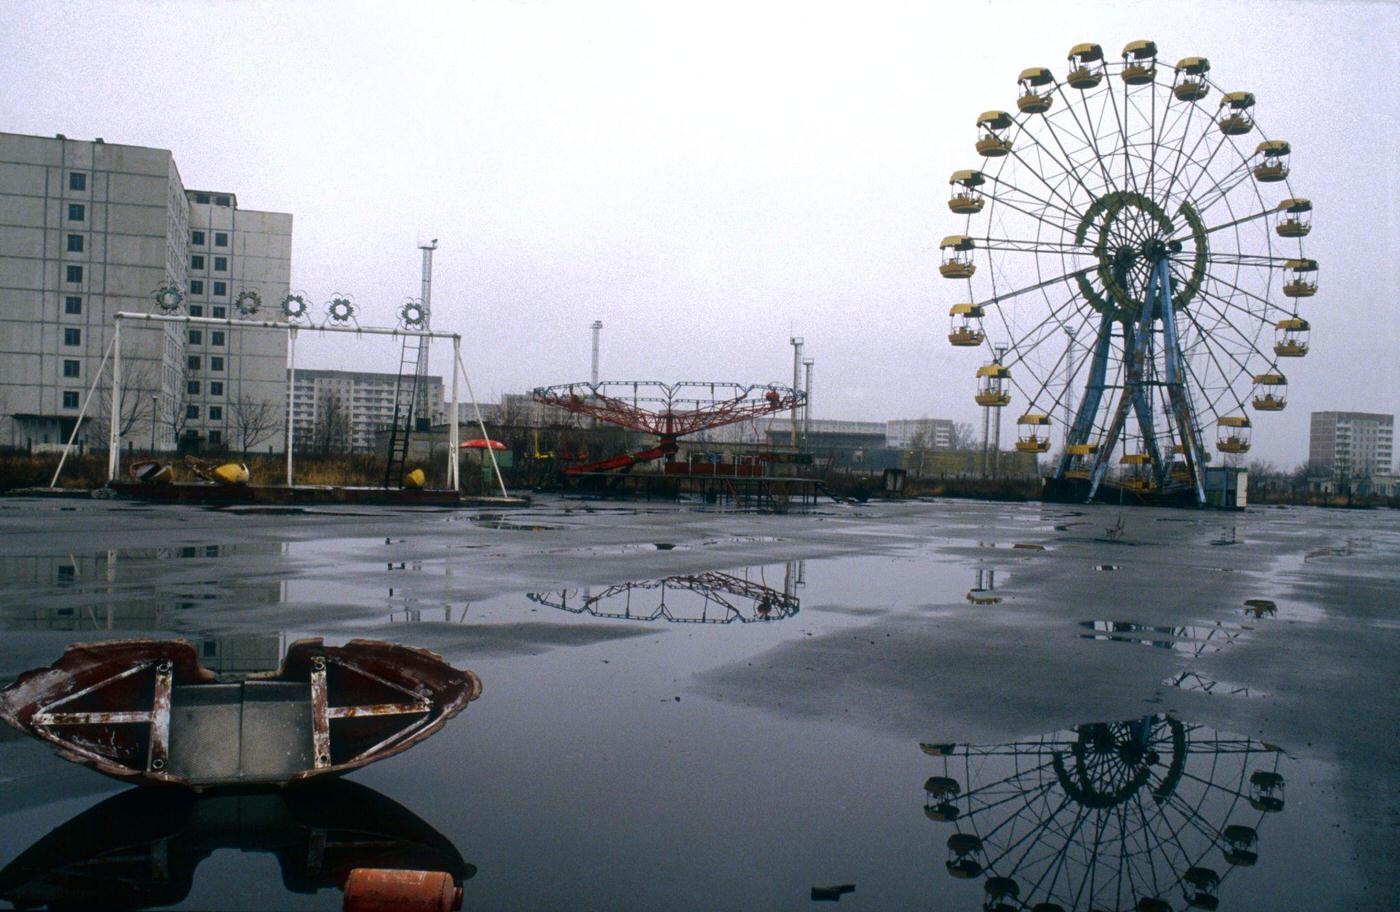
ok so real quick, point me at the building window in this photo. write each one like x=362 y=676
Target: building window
x=221 y=201
x=221 y=264
x=196 y=336
x=216 y=438
x=70 y=398
x=196 y=261
x=197 y=286
x=192 y=387
x=197 y=310
x=73 y=273
x=220 y=312
x=72 y=336
x=77 y=180
x=75 y=243
x=72 y=305
x=76 y=212
x=216 y=387
x=216 y=337
x=70 y=368
x=197 y=237
x=202 y=198
x=192 y=412
x=216 y=413
x=220 y=239
x=192 y=362
x=216 y=363
x=220 y=289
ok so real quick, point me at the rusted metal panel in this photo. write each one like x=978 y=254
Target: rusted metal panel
x=145 y=710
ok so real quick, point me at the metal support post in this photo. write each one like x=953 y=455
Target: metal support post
x=454 y=450
x=114 y=436
x=291 y=397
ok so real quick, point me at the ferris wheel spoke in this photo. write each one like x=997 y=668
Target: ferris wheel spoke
x=1058 y=226
x=1068 y=207
x=1121 y=120
x=1245 y=259
x=1091 y=143
x=1014 y=245
x=1243 y=368
x=1222 y=188
x=1047 y=205
x=1067 y=163
x=1244 y=219
x=1007 y=296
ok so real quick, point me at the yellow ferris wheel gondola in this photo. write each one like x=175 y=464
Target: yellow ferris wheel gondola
x=1270 y=392
x=965 y=325
x=1035 y=98
x=1292 y=338
x=1274 y=167
x=1234 y=432
x=1303 y=283
x=991 y=385
x=1086 y=66
x=967 y=199
x=1299 y=220
x=1139 y=62
x=1033 y=433
x=1236 y=121
x=993 y=142
x=957 y=257
x=1191 y=82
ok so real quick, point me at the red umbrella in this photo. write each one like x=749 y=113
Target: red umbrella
x=480 y=444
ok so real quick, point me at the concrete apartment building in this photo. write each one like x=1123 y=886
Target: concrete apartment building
x=90 y=228
x=341 y=411
x=936 y=433
x=1355 y=449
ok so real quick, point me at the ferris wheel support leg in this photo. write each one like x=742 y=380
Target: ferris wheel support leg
x=1093 y=393
x=1184 y=414
x=1136 y=342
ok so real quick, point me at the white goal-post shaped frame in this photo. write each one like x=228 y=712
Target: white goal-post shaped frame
x=291 y=329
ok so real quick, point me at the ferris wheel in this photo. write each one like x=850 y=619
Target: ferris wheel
x=1150 y=814
x=1132 y=261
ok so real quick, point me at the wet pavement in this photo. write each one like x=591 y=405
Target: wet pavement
x=938 y=704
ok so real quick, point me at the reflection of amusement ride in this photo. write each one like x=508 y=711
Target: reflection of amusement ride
x=140 y=848
x=701 y=598
x=1131 y=259
x=1148 y=815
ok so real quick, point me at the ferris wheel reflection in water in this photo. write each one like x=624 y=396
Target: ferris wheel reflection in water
x=1150 y=814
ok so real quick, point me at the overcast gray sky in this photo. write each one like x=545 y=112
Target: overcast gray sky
x=705 y=178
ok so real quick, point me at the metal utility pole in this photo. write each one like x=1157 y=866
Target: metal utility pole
x=807 y=402
x=996 y=424
x=422 y=366
x=796 y=343
x=597 y=329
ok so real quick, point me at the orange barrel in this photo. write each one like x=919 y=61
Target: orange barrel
x=383 y=890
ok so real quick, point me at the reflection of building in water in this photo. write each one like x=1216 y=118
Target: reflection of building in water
x=140 y=589
x=701 y=598
x=1147 y=815
x=140 y=849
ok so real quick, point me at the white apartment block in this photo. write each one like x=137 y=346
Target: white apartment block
x=340 y=411
x=935 y=433
x=90 y=228
x=1353 y=447
x=235 y=378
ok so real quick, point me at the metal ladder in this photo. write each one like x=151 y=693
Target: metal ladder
x=410 y=386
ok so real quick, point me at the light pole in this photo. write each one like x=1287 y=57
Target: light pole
x=155 y=403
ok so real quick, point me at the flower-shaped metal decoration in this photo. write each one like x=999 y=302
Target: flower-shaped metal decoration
x=340 y=309
x=248 y=302
x=294 y=306
x=169 y=297
x=413 y=315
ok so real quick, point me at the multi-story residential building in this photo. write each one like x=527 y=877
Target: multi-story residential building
x=340 y=411
x=1355 y=449
x=90 y=228
x=235 y=378
x=934 y=433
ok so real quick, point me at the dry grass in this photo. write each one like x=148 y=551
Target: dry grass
x=20 y=470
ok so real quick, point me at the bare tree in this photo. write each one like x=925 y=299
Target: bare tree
x=138 y=386
x=254 y=420
x=964 y=438
x=331 y=432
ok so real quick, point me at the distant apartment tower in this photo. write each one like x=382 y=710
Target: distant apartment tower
x=341 y=411
x=935 y=433
x=235 y=379
x=88 y=229
x=1353 y=447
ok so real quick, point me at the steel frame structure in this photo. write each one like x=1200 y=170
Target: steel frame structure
x=292 y=330
x=1128 y=205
